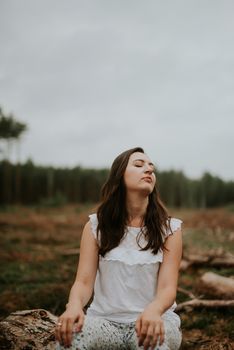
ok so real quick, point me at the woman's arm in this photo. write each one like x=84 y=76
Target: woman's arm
x=82 y=288
x=168 y=273
x=149 y=324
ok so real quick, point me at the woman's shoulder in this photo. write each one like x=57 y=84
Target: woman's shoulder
x=93 y=217
x=173 y=225
x=94 y=223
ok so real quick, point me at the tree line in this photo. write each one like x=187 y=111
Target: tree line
x=32 y=184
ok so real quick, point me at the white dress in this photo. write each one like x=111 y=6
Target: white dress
x=126 y=279
x=125 y=283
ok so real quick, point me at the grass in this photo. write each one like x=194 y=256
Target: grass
x=205 y=240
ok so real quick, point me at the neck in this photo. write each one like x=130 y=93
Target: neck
x=136 y=208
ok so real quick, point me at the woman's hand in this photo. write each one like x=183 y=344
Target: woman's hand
x=150 y=328
x=65 y=324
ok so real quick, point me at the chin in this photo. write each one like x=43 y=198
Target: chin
x=147 y=190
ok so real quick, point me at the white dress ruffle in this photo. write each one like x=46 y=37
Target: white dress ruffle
x=128 y=251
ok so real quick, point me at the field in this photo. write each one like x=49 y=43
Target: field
x=39 y=254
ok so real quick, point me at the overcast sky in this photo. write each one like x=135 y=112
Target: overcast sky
x=93 y=78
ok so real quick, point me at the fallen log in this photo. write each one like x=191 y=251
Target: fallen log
x=215 y=285
x=198 y=303
x=28 y=329
x=210 y=260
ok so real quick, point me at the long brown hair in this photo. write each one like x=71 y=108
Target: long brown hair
x=112 y=212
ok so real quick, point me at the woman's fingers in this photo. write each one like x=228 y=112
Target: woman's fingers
x=65 y=327
x=143 y=332
x=156 y=336
x=69 y=330
x=57 y=331
x=149 y=336
x=150 y=333
x=138 y=326
x=80 y=323
x=162 y=334
x=63 y=333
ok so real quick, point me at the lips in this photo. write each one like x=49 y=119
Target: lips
x=148 y=179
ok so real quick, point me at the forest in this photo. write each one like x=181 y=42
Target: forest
x=31 y=184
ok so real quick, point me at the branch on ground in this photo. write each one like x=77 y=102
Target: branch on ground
x=197 y=303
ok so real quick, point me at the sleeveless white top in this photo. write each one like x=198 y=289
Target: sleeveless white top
x=126 y=279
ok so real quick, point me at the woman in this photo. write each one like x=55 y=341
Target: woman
x=129 y=255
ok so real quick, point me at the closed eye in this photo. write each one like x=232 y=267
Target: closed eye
x=139 y=163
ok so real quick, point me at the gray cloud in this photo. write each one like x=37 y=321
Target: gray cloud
x=92 y=78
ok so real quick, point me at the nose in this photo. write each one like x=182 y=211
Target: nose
x=148 y=169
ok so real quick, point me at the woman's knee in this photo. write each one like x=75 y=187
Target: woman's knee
x=172 y=341
x=173 y=335
x=96 y=334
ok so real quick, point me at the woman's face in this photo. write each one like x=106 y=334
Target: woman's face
x=139 y=174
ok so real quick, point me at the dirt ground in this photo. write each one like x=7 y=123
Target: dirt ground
x=39 y=254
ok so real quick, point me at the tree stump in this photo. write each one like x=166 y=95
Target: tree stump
x=27 y=330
